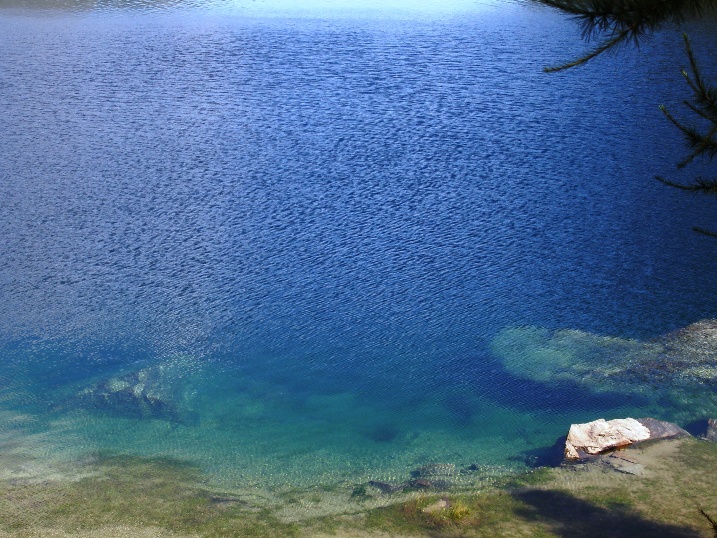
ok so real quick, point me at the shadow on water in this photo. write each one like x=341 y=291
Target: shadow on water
x=382 y=433
x=698 y=428
x=570 y=517
x=545 y=456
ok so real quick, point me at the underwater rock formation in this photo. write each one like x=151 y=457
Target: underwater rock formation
x=156 y=392
x=686 y=357
x=431 y=476
x=711 y=434
x=691 y=352
x=565 y=355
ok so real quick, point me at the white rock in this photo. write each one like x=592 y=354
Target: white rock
x=600 y=435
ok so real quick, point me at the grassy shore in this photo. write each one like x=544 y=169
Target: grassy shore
x=129 y=497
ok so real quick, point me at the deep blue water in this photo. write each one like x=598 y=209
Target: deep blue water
x=322 y=218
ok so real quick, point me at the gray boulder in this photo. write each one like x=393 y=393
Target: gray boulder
x=659 y=429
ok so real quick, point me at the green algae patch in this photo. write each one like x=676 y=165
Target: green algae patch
x=139 y=492
x=492 y=513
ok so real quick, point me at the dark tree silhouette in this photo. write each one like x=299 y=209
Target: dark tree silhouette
x=617 y=23
x=702 y=143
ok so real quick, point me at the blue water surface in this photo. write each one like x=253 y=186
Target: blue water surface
x=321 y=215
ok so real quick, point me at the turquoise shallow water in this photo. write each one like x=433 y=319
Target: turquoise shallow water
x=292 y=245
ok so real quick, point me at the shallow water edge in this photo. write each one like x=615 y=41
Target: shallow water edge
x=138 y=497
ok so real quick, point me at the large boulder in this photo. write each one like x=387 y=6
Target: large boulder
x=602 y=435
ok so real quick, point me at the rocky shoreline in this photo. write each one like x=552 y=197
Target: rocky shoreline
x=652 y=487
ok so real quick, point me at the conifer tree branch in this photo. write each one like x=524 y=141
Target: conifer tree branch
x=624 y=20
x=703 y=114
x=704 y=95
x=610 y=43
x=672 y=119
x=707 y=186
x=620 y=21
x=712 y=522
x=704 y=105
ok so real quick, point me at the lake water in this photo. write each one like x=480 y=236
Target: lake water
x=325 y=232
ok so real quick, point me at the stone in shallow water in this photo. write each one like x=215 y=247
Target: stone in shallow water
x=567 y=355
x=156 y=392
x=711 y=434
x=385 y=487
x=659 y=429
x=136 y=394
x=697 y=338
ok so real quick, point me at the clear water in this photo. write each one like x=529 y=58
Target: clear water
x=321 y=219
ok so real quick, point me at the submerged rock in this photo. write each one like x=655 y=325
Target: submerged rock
x=386 y=487
x=566 y=355
x=422 y=483
x=684 y=360
x=435 y=470
x=155 y=392
x=711 y=434
x=691 y=352
x=432 y=476
x=600 y=435
x=660 y=429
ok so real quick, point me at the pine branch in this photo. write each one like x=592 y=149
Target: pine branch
x=688 y=132
x=708 y=518
x=704 y=104
x=621 y=21
x=706 y=186
x=610 y=43
x=618 y=22
x=701 y=113
x=703 y=231
x=705 y=96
